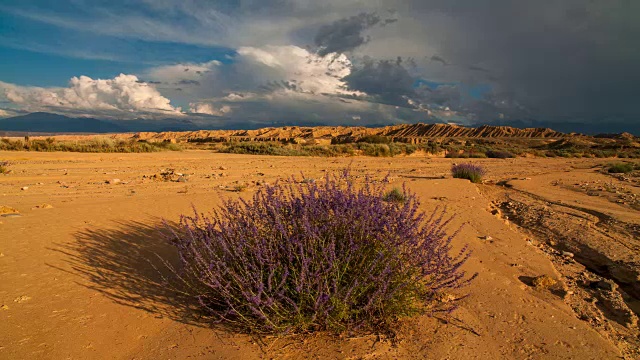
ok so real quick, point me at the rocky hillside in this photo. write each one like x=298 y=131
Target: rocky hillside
x=403 y=133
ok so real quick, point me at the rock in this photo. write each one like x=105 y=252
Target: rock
x=43 y=206
x=624 y=274
x=607 y=284
x=567 y=254
x=21 y=299
x=4 y=307
x=113 y=181
x=24 y=188
x=222 y=168
x=182 y=179
x=543 y=282
x=8 y=210
x=486 y=238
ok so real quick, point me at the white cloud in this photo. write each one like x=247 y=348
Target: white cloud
x=209 y=109
x=123 y=96
x=302 y=70
x=4 y=113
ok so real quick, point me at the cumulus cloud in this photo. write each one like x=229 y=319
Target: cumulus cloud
x=123 y=96
x=303 y=70
x=208 y=109
x=550 y=60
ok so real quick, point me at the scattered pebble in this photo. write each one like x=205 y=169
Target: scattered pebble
x=43 y=206
x=222 y=168
x=24 y=188
x=4 y=307
x=567 y=254
x=21 y=299
x=113 y=181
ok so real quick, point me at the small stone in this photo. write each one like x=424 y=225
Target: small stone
x=113 y=181
x=4 y=307
x=222 y=168
x=24 y=188
x=21 y=299
x=486 y=238
x=567 y=254
x=543 y=282
x=182 y=179
x=44 y=206
x=607 y=284
x=7 y=210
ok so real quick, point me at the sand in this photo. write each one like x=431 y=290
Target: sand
x=80 y=279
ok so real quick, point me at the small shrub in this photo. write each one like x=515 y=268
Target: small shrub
x=498 y=154
x=621 y=168
x=4 y=167
x=325 y=255
x=395 y=195
x=375 y=139
x=468 y=171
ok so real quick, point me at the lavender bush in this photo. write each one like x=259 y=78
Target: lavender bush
x=326 y=255
x=468 y=171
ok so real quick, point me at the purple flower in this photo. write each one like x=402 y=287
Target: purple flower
x=325 y=255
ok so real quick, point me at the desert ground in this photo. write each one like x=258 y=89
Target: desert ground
x=80 y=275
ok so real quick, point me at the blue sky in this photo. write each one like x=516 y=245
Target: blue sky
x=335 y=61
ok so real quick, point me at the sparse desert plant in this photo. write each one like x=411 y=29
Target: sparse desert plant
x=326 y=255
x=395 y=195
x=621 y=168
x=375 y=139
x=4 y=167
x=468 y=171
x=499 y=154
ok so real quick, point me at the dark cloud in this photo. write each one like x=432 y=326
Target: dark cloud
x=188 y=82
x=386 y=81
x=437 y=58
x=345 y=34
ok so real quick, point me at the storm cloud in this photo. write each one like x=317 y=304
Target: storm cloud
x=550 y=60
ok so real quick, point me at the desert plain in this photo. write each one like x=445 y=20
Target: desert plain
x=555 y=243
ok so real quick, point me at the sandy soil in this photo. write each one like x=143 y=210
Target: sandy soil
x=80 y=279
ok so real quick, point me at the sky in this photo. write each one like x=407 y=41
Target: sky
x=334 y=62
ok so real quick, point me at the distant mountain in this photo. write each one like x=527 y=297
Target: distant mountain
x=54 y=123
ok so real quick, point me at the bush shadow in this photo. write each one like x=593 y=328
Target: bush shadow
x=132 y=265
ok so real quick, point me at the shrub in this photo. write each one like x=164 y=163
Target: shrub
x=621 y=168
x=468 y=171
x=325 y=255
x=498 y=154
x=375 y=139
x=395 y=195
x=4 y=167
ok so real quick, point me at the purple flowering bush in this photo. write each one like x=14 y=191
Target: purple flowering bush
x=327 y=255
x=468 y=171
